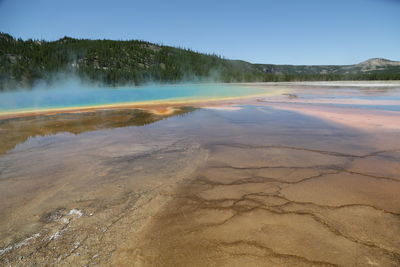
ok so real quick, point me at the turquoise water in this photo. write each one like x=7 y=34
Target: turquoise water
x=76 y=95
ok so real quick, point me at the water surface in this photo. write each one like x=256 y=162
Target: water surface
x=78 y=95
x=249 y=186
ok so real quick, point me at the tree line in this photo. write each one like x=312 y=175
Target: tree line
x=26 y=62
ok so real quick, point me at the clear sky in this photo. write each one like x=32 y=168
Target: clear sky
x=259 y=31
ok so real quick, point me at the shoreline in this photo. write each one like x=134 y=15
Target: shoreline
x=156 y=107
x=350 y=83
x=162 y=106
x=280 y=96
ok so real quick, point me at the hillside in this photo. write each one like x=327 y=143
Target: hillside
x=22 y=63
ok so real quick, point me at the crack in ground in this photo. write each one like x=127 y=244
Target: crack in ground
x=277 y=209
x=271 y=252
x=325 y=152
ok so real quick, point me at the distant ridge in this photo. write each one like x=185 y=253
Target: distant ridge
x=375 y=64
x=380 y=62
x=23 y=63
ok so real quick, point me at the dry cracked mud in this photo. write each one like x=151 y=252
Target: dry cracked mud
x=279 y=206
x=248 y=187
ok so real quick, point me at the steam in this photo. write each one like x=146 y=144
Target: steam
x=69 y=91
x=62 y=90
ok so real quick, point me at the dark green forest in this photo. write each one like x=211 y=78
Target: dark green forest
x=26 y=62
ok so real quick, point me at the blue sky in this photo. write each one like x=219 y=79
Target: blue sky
x=280 y=32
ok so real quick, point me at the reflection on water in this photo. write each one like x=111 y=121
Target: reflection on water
x=368 y=107
x=370 y=98
x=15 y=131
x=252 y=186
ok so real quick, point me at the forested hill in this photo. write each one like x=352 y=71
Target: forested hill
x=22 y=63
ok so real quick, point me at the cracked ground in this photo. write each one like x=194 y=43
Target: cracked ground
x=281 y=206
x=249 y=187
